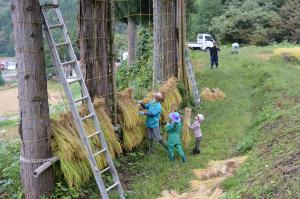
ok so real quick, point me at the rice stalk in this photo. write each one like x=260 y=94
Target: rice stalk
x=186 y=136
x=132 y=124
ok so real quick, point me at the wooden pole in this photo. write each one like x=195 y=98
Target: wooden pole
x=34 y=125
x=113 y=66
x=181 y=23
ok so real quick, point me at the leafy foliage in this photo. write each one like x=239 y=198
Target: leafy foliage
x=134 y=9
x=6 y=35
x=10 y=185
x=247 y=23
x=290 y=23
x=258 y=22
x=139 y=74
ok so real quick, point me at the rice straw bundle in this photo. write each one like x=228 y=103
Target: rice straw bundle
x=186 y=136
x=171 y=97
x=133 y=126
x=113 y=142
x=66 y=144
x=212 y=94
x=295 y=52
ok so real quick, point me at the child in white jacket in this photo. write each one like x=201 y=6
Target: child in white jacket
x=197 y=132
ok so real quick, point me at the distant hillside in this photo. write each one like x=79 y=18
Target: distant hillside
x=69 y=9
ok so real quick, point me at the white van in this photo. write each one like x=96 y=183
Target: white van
x=204 y=42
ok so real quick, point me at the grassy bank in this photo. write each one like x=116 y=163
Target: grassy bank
x=259 y=117
x=253 y=82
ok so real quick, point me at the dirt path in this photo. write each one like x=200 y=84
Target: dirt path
x=9 y=101
x=209 y=180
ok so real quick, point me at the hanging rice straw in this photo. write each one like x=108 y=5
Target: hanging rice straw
x=132 y=124
x=186 y=136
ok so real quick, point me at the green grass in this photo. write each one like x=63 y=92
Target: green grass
x=231 y=127
x=259 y=118
x=8 y=123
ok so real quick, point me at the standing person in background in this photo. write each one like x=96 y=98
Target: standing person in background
x=152 y=121
x=214 y=58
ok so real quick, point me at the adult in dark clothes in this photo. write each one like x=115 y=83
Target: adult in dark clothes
x=214 y=58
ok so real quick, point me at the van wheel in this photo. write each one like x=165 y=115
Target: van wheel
x=206 y=49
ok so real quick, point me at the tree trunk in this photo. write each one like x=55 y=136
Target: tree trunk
x=172 y=46
x=34 y=126
x=95 y=40
x=158 y=36
x=132 y=40
x=181 y=25
x=165 y=41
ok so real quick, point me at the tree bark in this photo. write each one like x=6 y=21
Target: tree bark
x=132 y=40
x=34 y=126
x=165 y=41
x=95 y=41
x=158 y=37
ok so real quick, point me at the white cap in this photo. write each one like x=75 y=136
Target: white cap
x=200 y=117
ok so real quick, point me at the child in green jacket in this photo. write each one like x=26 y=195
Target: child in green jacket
x=174 y=130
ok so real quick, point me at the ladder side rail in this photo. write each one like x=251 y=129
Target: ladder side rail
x=91 y=108
x=78 y=122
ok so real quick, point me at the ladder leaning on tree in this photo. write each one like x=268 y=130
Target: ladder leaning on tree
x=192 y=79
x=59 y=63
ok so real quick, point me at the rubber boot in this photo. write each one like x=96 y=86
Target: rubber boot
x=194 y=151
x=183 y=158
x=164 y=145
x=150 y=146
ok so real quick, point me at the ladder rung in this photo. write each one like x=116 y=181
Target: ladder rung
x=81 y=99
x=49 y=6
x=97 y=133
x=56 y=26
x=99 y=152
x=74 y=81
x=68 y=62
x=62 y=44
x=112 y=186
x=88 y=116
x=106 y=169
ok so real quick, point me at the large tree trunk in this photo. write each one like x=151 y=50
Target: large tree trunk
x=132 y=40
x=158 y=36
x=165 y=41
x=95 y=35
x=34 y=126
x=171 y=41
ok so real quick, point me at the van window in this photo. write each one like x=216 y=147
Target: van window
x=208 y=38
x=200 y=36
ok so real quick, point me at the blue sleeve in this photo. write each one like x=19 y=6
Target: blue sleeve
x=146 y=106
x=155 y=110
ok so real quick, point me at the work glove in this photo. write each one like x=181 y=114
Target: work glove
x=141 y=113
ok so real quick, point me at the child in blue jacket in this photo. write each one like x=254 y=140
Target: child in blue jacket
x=152 y=121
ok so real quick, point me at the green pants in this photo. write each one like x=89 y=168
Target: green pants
x=179 y=149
